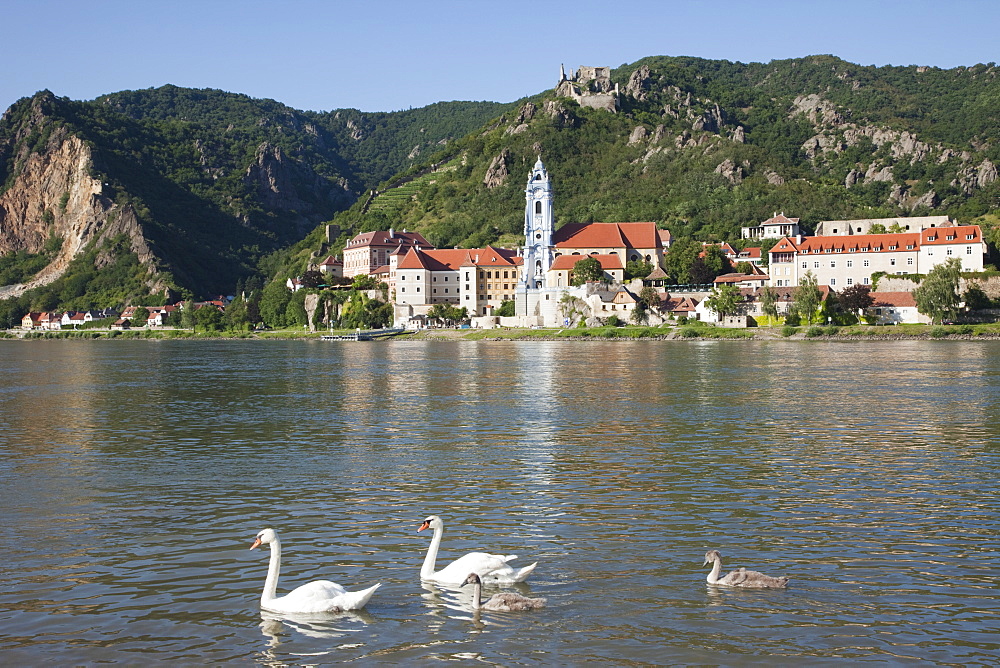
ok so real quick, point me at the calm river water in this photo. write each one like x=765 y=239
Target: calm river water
x=135 y=474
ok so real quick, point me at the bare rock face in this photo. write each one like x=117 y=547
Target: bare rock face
x=816 y=109
x=638 y=135
x=739 y=136
x=278 y=180
x=638 y=84
x=774 y=178
x=710 y=121
x=497 y=173
x=731 y=171
x=526 y=113
x=986 y=173
x=852 y=178
x=929 y=199
x=875 y=174
x=559 y=114
x=54 y=195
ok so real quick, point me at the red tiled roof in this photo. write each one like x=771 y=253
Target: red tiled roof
x=934 y=236
x=384 y=239
x=897 y=299
x=608 y=262
x=607 y=235
x=455 y=258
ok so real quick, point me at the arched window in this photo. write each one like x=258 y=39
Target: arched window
x=538 y=207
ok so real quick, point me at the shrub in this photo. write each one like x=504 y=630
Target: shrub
x=814 y=332
x=788 y=330
x=613 y=321
x=939 y=332
x=689 y=332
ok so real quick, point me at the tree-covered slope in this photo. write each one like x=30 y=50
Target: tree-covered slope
x=704 y=147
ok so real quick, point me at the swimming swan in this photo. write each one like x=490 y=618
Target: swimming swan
x=503 y=601
x=489 y=566
x=741 y=577
x=318 y=596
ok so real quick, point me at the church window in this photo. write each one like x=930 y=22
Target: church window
x=538 y=207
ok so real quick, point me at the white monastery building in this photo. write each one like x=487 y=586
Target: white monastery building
x=844 y=260
x=368 y=251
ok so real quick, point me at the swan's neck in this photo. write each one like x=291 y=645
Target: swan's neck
x=273 y=568
x=713 y=577
x=427 y=570
x=477 y=595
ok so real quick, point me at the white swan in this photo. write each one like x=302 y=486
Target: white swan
x=318 y=596
x=489 y=566
x=741 y=577
x=503 y=601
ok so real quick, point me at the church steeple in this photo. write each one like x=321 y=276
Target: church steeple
x=539 y=226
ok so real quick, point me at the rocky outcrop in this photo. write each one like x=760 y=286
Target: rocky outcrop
x=639 y=84
x=731 y=171
x=284 y=184
x=979 y=176
x=639 y=133
x=816 y=109
x=497 y=173
x=559 y=114
x=54 y=195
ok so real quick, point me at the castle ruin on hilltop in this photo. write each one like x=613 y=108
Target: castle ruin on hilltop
x=589 y=87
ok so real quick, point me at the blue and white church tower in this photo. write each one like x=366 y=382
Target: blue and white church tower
x=539 y=226
x=536 y=300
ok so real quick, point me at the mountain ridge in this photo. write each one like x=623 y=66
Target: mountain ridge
x=217 y=182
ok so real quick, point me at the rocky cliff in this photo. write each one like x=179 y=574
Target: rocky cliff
x=52 y=193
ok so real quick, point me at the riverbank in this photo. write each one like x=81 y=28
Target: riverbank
x=984 y=332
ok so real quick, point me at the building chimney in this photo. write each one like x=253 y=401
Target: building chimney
x=391 y=233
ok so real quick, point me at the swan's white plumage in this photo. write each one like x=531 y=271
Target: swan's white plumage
x=317 y=596
x=492 y=567
x=740 y=577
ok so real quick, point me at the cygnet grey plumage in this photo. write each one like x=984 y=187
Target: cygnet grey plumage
x=503 y=601
x=741 y=577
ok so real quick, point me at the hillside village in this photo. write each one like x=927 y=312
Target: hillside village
x=539 y=279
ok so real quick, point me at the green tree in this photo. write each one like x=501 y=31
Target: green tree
x=448 y=314
x=808 y=297
x=937 y=295
x=877 y=228
x=639 y=314
x=235 y=316
x=506 y=308
x=724 y=299
x=274 y=302
x=769 y=302
x=637 y=269
x=650 y=298
x=586 y=270
x=744 y=267
x=678 y=260
x=975 y=299
x=209 y=318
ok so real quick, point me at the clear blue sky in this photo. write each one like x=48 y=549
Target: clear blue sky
x=385 y=55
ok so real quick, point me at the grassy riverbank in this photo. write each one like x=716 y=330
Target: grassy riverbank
x=678 y=332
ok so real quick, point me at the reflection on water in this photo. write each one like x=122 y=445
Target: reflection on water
x=134 y=474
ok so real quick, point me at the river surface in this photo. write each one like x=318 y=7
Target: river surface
x=135 y=474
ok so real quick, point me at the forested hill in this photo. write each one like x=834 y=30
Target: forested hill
x=706 y=146
x=174 y=191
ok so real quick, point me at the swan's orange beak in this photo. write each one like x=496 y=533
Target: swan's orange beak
x=256 y=543
x=423 y=526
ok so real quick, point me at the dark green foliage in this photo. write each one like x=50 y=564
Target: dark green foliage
x=506 y=308
x=587 y=270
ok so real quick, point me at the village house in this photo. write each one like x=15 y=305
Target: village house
x=895 y=308
x=370 y=250
x=775 y=227
x=478 y=279
x=332 y=267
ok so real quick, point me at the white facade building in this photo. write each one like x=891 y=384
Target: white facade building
x=841 y=261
